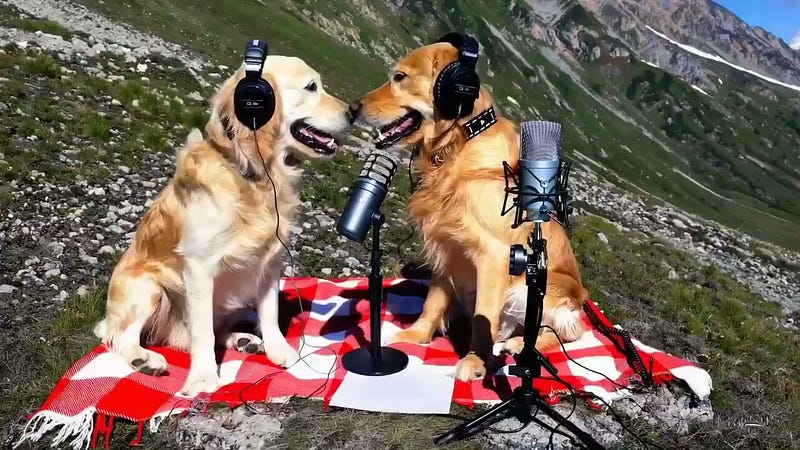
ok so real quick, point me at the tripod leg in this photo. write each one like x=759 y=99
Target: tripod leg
x=467 y=429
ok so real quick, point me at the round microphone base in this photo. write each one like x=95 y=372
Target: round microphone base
x=360 y=361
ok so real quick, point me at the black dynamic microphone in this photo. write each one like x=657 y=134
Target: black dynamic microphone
x=366 y=196
x=539 y=164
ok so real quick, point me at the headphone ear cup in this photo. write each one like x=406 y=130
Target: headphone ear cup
x=471 y=80
x=253 y=102
x=444 y=98
x=448 y=98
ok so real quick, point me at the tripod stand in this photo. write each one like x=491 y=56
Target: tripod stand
x=529 y=360
x=375 y=360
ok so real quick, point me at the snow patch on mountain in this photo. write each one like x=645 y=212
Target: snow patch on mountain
x=698 y=89
x=706 y=55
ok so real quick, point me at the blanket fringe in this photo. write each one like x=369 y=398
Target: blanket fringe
x=78 y=427
x=156 y=420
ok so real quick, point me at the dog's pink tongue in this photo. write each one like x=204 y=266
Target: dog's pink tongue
x=322 y=139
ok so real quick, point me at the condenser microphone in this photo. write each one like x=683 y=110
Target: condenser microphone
x=366 y=196
x=540 y=142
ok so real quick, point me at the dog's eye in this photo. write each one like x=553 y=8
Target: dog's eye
x=399 y=76
x=312 y=87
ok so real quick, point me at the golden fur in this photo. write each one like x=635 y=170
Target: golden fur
x=457 y=209
x=207 y=248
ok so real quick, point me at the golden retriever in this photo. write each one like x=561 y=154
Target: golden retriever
x=210 y=244
x=457 y=208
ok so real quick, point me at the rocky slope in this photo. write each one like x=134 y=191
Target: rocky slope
x=702 y=24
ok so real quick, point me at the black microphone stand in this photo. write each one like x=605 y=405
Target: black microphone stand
x=529 y=360
x=375 y=360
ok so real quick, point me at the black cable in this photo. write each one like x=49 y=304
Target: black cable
x=564 y=349
x=412 y=187
x=554 y=430
x=303 y=343
x=595 y=396
x=566 y=353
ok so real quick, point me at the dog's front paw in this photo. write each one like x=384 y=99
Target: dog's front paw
x=200 y=382
x=413 y=336
x=149 y=363
x=245 y=343
x=281 y=353
x=470 y=367
x=514 y=345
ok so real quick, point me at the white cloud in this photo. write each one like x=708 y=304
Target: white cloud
x=795 y=44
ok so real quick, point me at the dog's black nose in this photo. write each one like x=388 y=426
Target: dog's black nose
x=353 y=110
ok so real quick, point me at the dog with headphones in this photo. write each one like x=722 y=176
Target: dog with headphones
x=210 y=247
x=435 y=90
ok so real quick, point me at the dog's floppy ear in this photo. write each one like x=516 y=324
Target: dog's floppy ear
x=222 y=127
x=441 y=58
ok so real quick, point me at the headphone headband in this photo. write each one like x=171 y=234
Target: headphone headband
x=254 y=56
x=467 y=48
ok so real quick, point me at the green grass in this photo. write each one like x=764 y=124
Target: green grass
x=43 y=25
x=41 y=65
x=220 y=30
x=194 y=117
x=51 y=344
x=708 y=318
x=308 y=426
x=155 y=138
x=96 y=127
x=129 y=91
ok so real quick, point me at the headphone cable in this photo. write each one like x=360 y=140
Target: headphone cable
x=303 y=342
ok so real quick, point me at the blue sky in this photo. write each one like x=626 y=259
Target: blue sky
x=780 y=17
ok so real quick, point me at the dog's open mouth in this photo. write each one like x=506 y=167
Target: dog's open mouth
x=318 y=140
x=400 y=128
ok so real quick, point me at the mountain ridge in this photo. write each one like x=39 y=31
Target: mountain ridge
x=704 y=24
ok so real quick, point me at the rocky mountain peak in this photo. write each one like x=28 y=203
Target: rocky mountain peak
x=702 y=24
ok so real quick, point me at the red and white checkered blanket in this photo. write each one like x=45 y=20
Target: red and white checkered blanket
x=101 y=387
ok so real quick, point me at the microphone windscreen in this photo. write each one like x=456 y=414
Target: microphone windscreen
x=540 y=140
x=380 y=166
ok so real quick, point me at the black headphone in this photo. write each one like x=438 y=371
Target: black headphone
x=458 y=86
x=254 y=98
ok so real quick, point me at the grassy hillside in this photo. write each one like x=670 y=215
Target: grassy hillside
x=732 y=158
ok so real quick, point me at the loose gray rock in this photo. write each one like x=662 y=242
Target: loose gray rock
x=602 y=238
x=672 y=274
x=89 y=259
x=352 y=262
x=325 y=221
x=6 y=289
x=241 y=430
x=57 y=249
x=31 y=261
